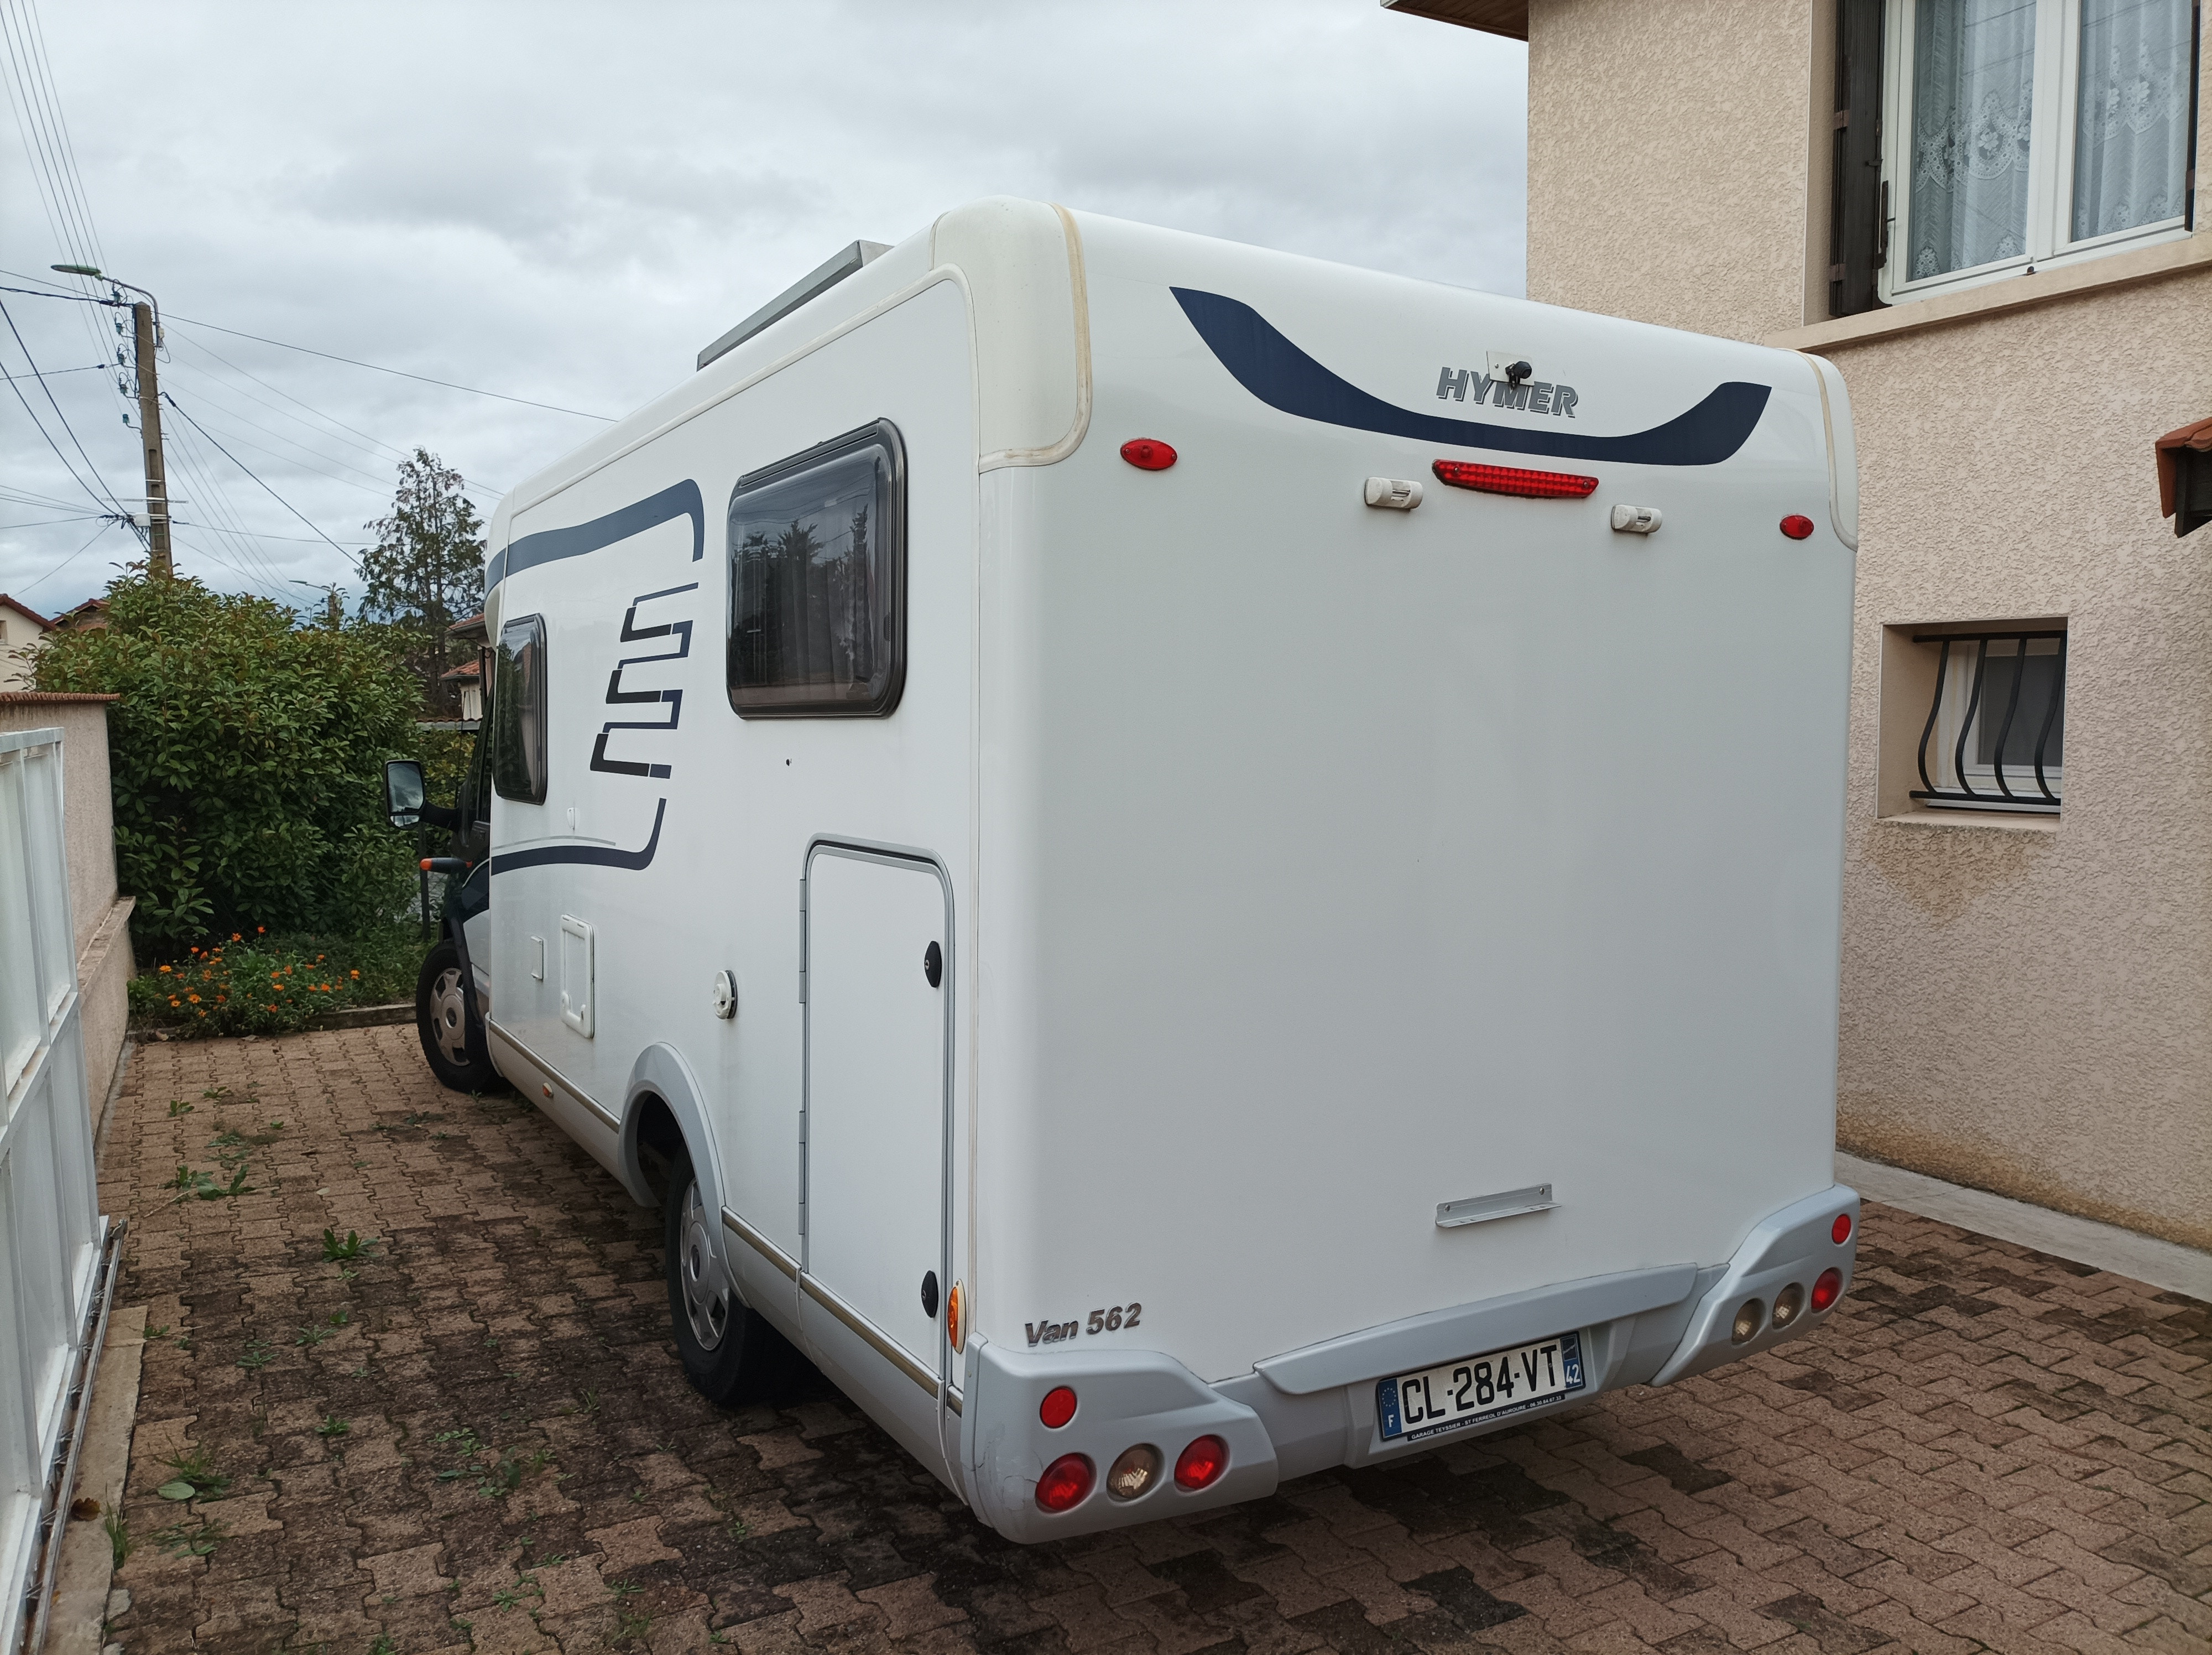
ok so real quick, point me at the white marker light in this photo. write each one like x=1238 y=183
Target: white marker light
x=1393 y=494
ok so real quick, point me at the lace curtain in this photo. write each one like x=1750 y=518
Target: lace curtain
x=1973 y=80
x=2131 y=142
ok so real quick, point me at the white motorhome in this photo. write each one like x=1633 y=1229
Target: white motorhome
x=1185 y=865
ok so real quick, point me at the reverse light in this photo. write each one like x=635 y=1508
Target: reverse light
x=1065 y=1483
x=1200 y=1465
x=1796 y=526
x=1840 y=1230
x=1748 y=1321
x=1786 y=1304
x=1058 y=1408
x=1513 y=479
x=1135 y=1472
x=1148 y=454
x=1828 y=1289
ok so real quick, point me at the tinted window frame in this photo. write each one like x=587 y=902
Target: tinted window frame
x=512 y=705
x=891 y=531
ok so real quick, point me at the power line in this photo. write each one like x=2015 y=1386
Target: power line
x=379 y=368
x=58 y=415
x=228 y=523
x=67 y=560
x=270 y=492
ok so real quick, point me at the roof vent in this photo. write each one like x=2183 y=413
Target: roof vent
x=820 y=279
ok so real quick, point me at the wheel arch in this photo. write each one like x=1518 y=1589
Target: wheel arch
x=662 y=1109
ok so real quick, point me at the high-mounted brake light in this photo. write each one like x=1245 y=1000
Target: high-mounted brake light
x=1513 y=479
x=1148 y=454
x=1828 y=1289
x=1064 y=1482
x=1058 y=1408
x=1840 y=1230
x=1797 y=527
x=1201 y=1464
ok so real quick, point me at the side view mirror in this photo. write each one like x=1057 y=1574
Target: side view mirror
x=403 y=791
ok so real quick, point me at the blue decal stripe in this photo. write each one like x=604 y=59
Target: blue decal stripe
x=590 y=855
x=1279 y=373
x=550 y=545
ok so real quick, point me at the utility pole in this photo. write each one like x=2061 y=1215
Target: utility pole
x=150 y=435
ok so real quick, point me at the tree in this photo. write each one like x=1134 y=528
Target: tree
x=245 y=757
x=425 y=572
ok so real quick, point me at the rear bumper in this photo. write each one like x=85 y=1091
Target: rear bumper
x=1315 y=1407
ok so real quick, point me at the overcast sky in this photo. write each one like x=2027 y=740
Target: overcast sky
x=563 y=202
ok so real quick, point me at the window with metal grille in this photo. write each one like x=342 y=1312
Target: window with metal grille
x=1995 y=737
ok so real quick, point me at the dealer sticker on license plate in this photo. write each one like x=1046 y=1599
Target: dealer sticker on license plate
x=1485 y=1387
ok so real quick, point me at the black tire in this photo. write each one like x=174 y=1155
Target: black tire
x=730 y=1352
x=452 y=1036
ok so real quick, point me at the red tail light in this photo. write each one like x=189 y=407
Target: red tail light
x=1148 y=454
x=1513 y=479
x=1840 y=1232
x=1058 y=1408
x=1064 y=1482
x=1797 y=527
x=1828 y=1289
x=1201 y=1463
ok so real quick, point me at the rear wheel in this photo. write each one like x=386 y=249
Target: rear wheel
x=730 y=1352
x=452 y=1040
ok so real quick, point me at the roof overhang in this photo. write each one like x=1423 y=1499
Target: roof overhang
x=1506 y=17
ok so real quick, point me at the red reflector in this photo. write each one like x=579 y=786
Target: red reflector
x=424 y=864
x=1828 y=1289
x=1059 y=1407
x=1512 y=479
x=1148 y=454
x=1797 y=527
x=1064 y=1482
x=1840 y=1232
x=1202 y=1462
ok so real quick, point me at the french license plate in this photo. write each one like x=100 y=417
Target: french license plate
x=1485 y=1387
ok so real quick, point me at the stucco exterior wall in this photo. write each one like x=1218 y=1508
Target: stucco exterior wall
x=1668 y=174
x=2025 y=1008
x=2030 y=1011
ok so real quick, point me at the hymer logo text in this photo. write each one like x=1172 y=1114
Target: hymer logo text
x=1532 y=395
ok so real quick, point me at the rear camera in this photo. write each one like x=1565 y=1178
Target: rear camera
x=1786 y=1304
x=1748 y=1321
x=1135 y=1472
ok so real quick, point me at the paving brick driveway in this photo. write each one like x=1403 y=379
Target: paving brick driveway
x=476 y=1436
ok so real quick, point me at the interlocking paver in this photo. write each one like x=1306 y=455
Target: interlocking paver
x=1983 y=1449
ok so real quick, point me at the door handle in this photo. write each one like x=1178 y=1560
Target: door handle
x=929 y=1288
x=932 y=967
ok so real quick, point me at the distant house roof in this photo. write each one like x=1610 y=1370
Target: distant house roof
x=92 y=611
x=26 y=611
x=468 y=672
x=1506 y=17
x=473 y=627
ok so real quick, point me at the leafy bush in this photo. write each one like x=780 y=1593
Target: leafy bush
x=262 y=984
x=247 y=754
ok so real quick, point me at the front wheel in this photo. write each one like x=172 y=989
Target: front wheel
x=730 y=1352
x=452 y=1040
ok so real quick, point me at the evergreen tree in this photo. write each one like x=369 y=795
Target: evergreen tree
x=425 y=572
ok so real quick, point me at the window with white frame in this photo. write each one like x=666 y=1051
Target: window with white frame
x=2026 y=132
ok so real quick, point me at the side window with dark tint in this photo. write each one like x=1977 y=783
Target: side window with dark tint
x=818 y=581
x=518 y=711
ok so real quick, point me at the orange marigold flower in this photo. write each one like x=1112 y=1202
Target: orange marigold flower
x=164 y=971
x=260 y=930
x=195 y=999
x=173 y=1000
x=235 y=937
x=353 y=974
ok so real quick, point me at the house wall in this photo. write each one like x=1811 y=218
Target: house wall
x=18 y=633
x=2026 y=1005
x=99 y=914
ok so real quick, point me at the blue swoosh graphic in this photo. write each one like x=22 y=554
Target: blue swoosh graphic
x=1279 y=373
x=550 y=545
x=591 y=855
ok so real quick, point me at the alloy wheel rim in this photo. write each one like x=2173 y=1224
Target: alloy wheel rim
x=449 y=1017
x=706 y=1284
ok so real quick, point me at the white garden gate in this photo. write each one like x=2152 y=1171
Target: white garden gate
x=52 y=1235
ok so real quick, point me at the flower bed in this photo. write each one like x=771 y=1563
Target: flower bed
x=261 y=984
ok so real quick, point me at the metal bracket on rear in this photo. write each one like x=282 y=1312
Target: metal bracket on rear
x=1506 y=1203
